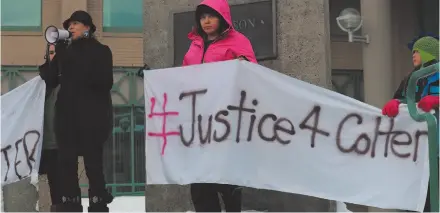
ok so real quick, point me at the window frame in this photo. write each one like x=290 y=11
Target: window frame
x=354 y=77
x=121 y=30
x=26 y=28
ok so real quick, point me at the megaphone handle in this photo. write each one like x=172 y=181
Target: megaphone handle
x=47 y=56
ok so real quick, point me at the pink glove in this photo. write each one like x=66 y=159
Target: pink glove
x=391 y=109
x=428 y=103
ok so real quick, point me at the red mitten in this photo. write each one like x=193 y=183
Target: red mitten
x=391 y=109
x=428 y=103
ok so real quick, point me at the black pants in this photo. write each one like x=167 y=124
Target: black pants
x=427 y=207
x=69 y=149
x=48 y=166
x=205 y=197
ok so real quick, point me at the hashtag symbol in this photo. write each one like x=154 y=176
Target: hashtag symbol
x=164 y=114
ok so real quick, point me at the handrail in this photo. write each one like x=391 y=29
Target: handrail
x=433 y=135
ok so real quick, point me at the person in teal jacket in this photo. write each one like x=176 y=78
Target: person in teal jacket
x=425 y=53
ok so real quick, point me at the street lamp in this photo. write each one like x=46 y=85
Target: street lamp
x=350 y=21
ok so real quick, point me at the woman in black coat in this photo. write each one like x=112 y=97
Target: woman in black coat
x=83 y=111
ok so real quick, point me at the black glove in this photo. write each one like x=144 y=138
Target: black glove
x=140 y=72
x=60 y=49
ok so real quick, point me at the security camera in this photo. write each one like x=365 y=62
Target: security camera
x=350 y=21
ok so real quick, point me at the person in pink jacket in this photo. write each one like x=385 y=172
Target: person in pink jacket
x=215 y=39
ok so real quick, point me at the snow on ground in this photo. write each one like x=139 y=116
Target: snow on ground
x=137 y=204
x=122 y=204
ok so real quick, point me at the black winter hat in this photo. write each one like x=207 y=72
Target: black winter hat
x=80 y=16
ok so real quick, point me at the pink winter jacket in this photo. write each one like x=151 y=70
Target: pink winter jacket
x=229 y=46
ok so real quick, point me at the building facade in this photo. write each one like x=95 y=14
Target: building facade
x=310 y=46
x=119 y=25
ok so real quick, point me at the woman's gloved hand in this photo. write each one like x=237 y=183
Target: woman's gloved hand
x=391 y=109
x=428 y=103
x=60 y=49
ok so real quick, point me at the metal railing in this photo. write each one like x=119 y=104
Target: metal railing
x=433 y=136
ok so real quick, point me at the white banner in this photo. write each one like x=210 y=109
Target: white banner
x=22 y=111
x=241 y=123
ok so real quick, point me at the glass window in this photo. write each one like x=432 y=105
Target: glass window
x=21 y=15
x=349 y=83
x=122 y=16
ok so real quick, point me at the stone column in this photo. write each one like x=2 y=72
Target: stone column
x=377 y=56
x=303 y=42
x=20 y=197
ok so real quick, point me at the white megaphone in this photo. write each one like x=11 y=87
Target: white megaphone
x=53 y=34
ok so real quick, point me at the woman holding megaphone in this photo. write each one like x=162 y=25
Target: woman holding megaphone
x=82 y=69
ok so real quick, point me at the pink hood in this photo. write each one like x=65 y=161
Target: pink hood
x=222 y=7
x=231 y=45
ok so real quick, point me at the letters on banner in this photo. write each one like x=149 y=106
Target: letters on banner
x=241 y=123
x=22 y=114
